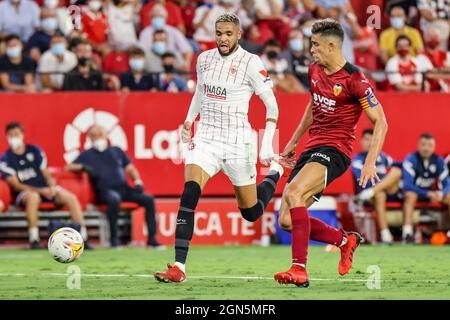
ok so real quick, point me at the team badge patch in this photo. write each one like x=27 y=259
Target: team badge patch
x=337 y=89
x=264 y=73
x=191 y=146
x=233 y=69
x=372 y=100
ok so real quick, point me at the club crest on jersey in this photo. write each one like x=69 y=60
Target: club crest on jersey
x=191 y=146
x=215 y=92
x=337 y=89
x=233 y=69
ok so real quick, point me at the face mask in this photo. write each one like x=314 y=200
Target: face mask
x=15 y=142
x=95 y=5
x=49 y=24
x=433 y=44
x=272 y=54
x=397 y=22
x=100 y=144
x=403 y=52
x=307 y=32
x=58 y=49
x=137 y=64
x=52 y=4
x=159 y=47
x=14 y=52
x=296 y=44
x=169 y=68
x=158 y=22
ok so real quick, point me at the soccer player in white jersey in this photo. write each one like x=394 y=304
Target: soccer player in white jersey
x=227 y=78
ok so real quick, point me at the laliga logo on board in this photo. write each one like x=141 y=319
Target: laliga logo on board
x=81 y=124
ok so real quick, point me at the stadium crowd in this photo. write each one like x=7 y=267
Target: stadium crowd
x=152 y=45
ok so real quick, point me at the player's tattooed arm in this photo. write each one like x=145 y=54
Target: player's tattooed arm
x=304 y=125
x=378 y=119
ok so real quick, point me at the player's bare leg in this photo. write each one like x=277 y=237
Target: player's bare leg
x=68 y=199
x=195 y=180
x=389 y=184
x=409 y=202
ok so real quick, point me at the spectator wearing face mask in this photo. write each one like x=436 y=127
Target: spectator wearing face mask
x=278 y=68
x=136 y=79
x=405 y=72
x=176 y=41
x=84 y=78
x=83 y=49
x=170 y=80
x=440 y=76
x=40 y=40
x=20 y=17
x=56 y=62
x=95 y=25
x=436 y=13
x=298 y=59
x=65 y=23
x=174 y=14
x=108 y=167
x=16 y=70
x=388 y=37
x=122 y=33
x=159 y=48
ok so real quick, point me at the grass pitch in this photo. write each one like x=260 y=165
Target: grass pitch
x=407 y=272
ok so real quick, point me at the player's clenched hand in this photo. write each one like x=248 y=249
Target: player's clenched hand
x=368 y=173
x=289 y=149
x=266 y=154
x=186 y=133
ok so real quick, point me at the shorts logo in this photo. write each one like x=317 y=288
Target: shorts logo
x=337 y=89
x=191 y=146
x=321 y=155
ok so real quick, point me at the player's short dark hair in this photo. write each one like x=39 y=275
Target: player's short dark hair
x=13 y=125
x=367 y=131
x=427 y=136
x=10 y=37
x=229 y=17
x=136 y=51
x=168 y=55
x=272 y=43
x=328 y=27
x=402 y=37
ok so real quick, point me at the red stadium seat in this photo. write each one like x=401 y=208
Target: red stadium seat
x=75 y=183
x=5 y=194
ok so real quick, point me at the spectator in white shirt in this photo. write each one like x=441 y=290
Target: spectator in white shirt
x=176 y=41
x=122 y=31
x=56 y=62
x=19 y=17
x=65 y=22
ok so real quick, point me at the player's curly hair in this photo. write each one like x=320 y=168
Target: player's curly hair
x=229 y=17
x=328 y=27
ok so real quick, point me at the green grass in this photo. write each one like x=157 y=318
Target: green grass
x=407 y=272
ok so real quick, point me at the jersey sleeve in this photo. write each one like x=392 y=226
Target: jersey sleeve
x=124 y=157
x=409 y=174
x=362 y=90
x=444 y=179
x=41 y=158
x=258 y=76
x=5 y=169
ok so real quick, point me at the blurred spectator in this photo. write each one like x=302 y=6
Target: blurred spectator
x=174 y=16
x=298 y=59
x=270 y=20
x=250 y=40
x=388 y=189
x=409 y=6
x=24 y=167
x=137 y=79
x=366 y=49
x=19 y=17
x=84 y=78
x=299 y=9
x=278 y=68
x=122 y=33
x=246 y=13
x=39 y=42
x=175 y=40
x=107 y=167
x=425 y=178
x=436 y=13
x=83 y=49
x=205 y=22
x=95 y=25
x=439 y=77
x=64 y=21
x=55 y=62
x=16 y=70
x=388 y=37
x=170 y=80
x=187 y=8
x=405 y=71
x=115 y=62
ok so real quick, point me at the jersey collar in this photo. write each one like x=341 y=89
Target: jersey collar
x=231 y=56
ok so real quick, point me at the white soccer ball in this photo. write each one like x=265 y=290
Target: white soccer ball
x=65 y=245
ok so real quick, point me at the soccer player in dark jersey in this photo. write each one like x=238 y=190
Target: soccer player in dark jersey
x=340 y=92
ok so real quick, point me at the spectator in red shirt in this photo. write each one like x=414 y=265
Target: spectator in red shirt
x=116 y=62
x=366 y=49
x=174 y=17
x=95 y=25
x=439 y=78
x=188 y=13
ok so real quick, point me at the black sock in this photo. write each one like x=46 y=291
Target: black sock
x=185 y=220
x=266 y=188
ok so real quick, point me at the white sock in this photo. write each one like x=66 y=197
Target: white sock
x=181 y=266
x=300 y=264
x=386 y=235
x=84 y=233
x=33 y=234
x=407 y=230
x=344 y=241
x=275 y=166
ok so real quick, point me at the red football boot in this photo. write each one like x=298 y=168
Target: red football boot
x=347 y=251
x=173 y=274
x=296 y=275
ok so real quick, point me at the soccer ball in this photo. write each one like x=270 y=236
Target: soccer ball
x=65 y=245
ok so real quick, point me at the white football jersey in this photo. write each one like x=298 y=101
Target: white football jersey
x=226 y=84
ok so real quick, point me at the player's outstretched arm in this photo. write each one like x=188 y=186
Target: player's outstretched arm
x=194 y=110
x=304 y=125
x=266 y=153
x=378 y=119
